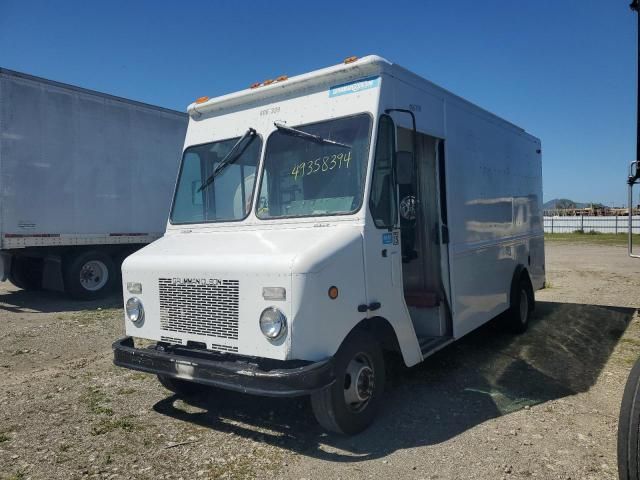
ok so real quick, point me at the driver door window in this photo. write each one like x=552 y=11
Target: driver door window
x=382 y=201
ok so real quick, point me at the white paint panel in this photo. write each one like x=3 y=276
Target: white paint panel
x=81 y=164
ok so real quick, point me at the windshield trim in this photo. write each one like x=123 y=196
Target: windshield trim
x=253 y=192
x=333 y=214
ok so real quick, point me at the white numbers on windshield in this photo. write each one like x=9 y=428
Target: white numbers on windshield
x=327 y=163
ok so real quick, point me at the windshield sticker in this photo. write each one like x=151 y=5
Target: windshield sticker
x=387 y=238
x=354 y=87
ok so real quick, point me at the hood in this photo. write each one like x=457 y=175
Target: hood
x=269 y=251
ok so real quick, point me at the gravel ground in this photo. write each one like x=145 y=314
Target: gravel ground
x=542 y=405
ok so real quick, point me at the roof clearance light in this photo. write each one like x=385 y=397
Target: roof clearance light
x=350 y=59
x=255 y=85
x=282 y=78
x=202 y=99
x=268 y=82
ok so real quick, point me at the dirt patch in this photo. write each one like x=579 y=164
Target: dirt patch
x=542 y=405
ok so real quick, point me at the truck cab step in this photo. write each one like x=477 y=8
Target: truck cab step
x=430 y=345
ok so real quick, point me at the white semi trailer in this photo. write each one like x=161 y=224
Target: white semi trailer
x=85 y=179
x=323 y=220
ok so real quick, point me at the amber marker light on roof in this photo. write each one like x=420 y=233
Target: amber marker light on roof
x=255 y=85
x=268 y=82
x=202 y=99
x=350 y=59
x=282 y=78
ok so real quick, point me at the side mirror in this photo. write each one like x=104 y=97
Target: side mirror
x=404 y=168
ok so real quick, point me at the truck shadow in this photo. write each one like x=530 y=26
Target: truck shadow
x=485 y=375
x=44 y=301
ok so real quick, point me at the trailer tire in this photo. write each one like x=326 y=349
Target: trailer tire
x=360 y=356
x=180 y=387
x=629 y=428
x=522 y=303
x=26 y=272
x=88 y=275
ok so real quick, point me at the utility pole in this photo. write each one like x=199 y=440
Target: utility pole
x=635 y=6
x=634 y=174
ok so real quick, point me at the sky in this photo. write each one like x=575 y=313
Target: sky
x=565 y=71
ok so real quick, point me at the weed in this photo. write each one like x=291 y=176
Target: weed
x=95 y=399
x=126 y=391
x=4 y=437
x=107 y=425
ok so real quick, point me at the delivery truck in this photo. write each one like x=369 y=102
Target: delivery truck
x=325 y=221
x=85 y=179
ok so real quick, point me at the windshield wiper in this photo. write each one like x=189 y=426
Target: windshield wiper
x=228 y=159
x=315 y=138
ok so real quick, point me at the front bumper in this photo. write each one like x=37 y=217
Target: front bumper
x=232 y=372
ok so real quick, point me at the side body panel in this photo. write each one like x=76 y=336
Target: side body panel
x=494 y=196
x=81 y=167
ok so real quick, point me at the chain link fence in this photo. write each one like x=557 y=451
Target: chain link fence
x=612 y=224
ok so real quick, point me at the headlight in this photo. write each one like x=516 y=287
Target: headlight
x=273 y=323
x=134 y=310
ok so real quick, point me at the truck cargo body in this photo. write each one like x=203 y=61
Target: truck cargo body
x=80 y=171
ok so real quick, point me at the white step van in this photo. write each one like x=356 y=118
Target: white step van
x=324 y=220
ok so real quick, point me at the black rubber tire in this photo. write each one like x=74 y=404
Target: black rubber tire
x=180 y=387
x=71 y=267
x=329 y=405
x=26 y=272
x=629 y=428
x=515 y=320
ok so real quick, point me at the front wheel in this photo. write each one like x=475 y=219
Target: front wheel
x=350 y=405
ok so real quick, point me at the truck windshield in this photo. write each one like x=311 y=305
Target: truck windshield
x=304 y=177
x=227 y=198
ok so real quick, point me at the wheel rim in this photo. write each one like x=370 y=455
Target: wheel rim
x=94 y=275
x=359 y=382
x=524 y=306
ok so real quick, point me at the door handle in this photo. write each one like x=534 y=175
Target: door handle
x=372 y=307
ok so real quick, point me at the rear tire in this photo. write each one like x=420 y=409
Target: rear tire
x=522 y=305
x=26 y=272
x=180 y=387
x=89 y=275
x=629 y=428
x=350 y=405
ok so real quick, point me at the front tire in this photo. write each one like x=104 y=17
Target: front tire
x=350 y=405
x=178 y=386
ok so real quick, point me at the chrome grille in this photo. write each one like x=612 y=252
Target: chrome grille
x=207 y=308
